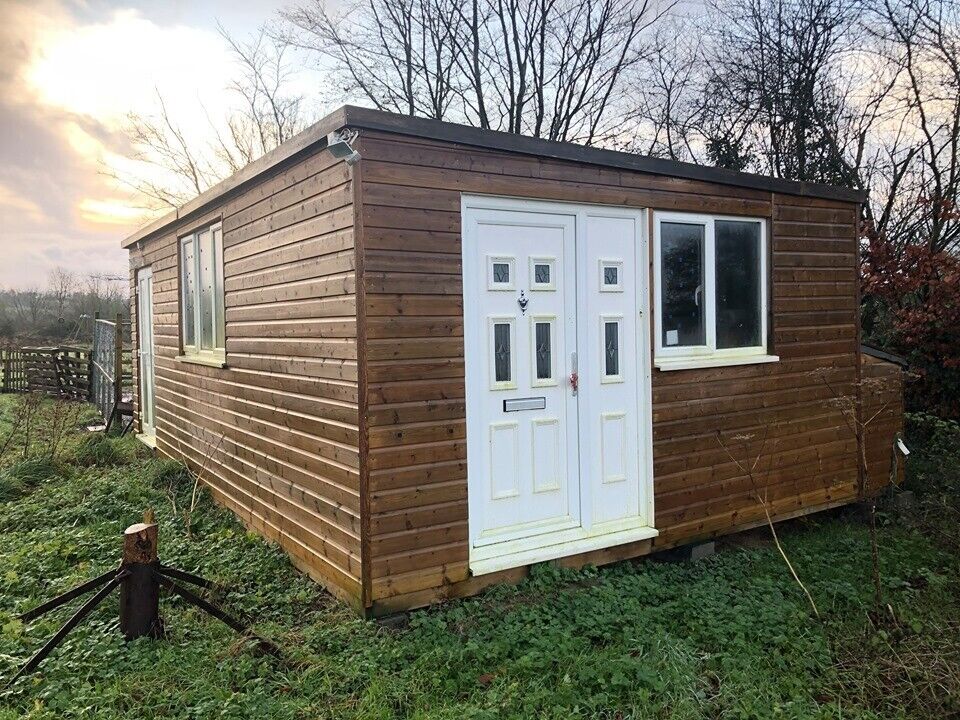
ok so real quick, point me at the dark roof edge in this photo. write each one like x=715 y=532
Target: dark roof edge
x=366 y=118
x=883 y=355
x=361 y=118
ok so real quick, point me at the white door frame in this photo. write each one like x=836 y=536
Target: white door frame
x=146 y=361
x=581 y=539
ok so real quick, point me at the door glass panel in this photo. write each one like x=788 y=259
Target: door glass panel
x=207 y=293
x=189 y=280
x=501 y=352
x=682 y=283
x=501 y=272
x=610 y=275
x=219 y=330
x=611 y=348
x=543 y=350
x=738 y=284
x=541 y=273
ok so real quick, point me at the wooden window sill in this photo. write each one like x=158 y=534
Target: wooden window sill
x=207 y=360
x=693 y=363
x=149 y=440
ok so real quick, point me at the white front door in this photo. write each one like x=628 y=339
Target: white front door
x=145 y=354
x=557 y=376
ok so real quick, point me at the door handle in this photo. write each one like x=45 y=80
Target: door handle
x=574 y=375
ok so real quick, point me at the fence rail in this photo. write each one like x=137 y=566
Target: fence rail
x=60 y=371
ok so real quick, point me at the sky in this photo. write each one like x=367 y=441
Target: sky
x=70 y=72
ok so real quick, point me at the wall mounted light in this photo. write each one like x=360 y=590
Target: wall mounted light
x=338 y=143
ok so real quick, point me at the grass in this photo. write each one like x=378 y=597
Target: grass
x=727 y=637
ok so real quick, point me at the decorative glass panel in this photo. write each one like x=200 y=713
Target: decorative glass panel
x=738 y=284
x=610 y=275
x=682 y=248
x=611 y=349
x=501 y=352
x=188 y=291
x=501 y=272
x=541 y=273
x=543 y=350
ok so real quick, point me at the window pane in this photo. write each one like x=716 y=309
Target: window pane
x=541 y=273
x=501 y=272
x=501 y=352
x=544 y=359
x=682 y=282
x=219 y=339
x=611 y=351
x=738 y=284
x=188 y=293
x=207 y=281
x=610 y=275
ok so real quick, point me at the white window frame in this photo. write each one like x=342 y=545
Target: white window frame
x=193 y=352
x=708 y=355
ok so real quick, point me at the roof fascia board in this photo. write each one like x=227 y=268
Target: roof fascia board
x=366 y=118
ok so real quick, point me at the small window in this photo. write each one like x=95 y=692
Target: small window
x=202 y=308
x=610 y=336
x=502 y=353
x=711 y=277
x=542 y=273
x=611 y=276
x=543 y=351
x=500 y=273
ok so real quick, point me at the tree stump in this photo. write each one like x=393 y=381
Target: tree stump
x=140 y=592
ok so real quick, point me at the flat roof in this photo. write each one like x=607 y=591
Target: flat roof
x=367 y=119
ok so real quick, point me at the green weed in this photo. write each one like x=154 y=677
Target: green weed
x=729 y=637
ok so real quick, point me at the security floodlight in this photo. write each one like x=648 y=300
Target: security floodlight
x=339 y=145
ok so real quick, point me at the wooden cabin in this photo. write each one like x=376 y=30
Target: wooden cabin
x=422 y=357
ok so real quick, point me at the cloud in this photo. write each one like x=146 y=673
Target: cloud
x=69 y=74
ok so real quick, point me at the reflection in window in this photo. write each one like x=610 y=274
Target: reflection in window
x=738 y=284
x=682 y=283
x=501 y=272
x=543 y=350
x=611 y=349
x=501 y=352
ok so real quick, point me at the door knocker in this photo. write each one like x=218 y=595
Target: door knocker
x=522 y=302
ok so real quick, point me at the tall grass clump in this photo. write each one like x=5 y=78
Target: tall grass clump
x=20 y=478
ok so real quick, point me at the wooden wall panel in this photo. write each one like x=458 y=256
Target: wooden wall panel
x=277 y=430
x=413 y=310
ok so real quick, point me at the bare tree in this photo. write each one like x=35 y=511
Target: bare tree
x=546 y=68
x=922 y=39
x=176 y=166
x=62 y=285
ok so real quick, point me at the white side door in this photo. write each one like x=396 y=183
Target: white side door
x=145 y=351
x=520 y=332
x=615 y=404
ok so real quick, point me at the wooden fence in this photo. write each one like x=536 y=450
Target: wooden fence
x=101 y=374
x=60 y=371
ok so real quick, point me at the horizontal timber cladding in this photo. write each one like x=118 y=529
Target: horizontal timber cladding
x=276 y=432
x=412 y=312
x=883 y=421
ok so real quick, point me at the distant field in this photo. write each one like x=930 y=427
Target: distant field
x=728 y=637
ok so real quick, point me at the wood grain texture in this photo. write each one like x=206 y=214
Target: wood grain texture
x=277 y=431
x=413 y=314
